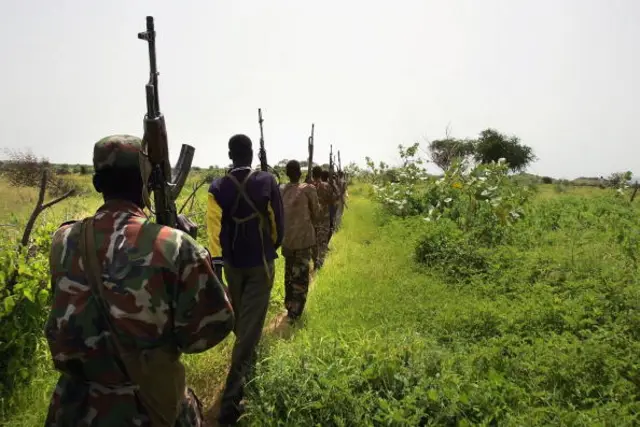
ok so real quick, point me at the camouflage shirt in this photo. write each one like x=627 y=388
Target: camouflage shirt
x=159 y=287
x=327 y=196
x=301 y=211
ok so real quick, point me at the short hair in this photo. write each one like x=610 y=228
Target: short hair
x=325 y=176
x=240 y=147
x=316 y=172
x=293 y=170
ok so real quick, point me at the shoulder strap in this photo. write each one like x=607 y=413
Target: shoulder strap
x=93 y=271
x=256 y=213
x=159 y=394
x=242 y=193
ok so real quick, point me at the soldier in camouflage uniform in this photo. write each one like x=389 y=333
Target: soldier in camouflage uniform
x=301 y=211
x=341 y=185
x=158 y=291
x=327 y=198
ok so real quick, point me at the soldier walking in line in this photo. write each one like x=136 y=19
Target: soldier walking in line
x=301 y=211
x=326 y=199
x=341 y=184
x=129 y=297
x=328 y=196
x=245 y=229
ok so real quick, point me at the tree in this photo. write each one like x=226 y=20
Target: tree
x=492 y=146
x=619 y=179
x=443 y=152
x=24 y=169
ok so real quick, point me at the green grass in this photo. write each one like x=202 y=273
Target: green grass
x=547 y=336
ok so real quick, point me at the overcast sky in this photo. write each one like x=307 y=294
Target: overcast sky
x=560 y=74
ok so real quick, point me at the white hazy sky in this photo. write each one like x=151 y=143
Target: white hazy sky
x=560 y=74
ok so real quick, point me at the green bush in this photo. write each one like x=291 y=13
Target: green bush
x=448 y=249
x=24 y=303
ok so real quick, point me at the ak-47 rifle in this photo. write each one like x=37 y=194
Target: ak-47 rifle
x=332 y=211
x=262 y=154
x=310 y=160
x=166 y=186
x=331 y=165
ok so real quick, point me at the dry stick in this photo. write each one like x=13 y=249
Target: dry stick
x=635 y=190
x=193 y=194
x=41 y=206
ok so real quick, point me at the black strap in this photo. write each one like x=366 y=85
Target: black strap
x=242 y=193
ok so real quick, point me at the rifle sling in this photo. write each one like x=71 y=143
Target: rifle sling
x=158 y=373
x=242 y=193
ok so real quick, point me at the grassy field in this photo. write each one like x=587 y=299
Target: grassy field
x=546 y=335
x=540 y=330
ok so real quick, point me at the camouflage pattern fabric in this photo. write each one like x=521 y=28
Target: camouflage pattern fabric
x=117 y=151
x=323 y=232
x=327 y=196
x=342 y=190
x=160 y=289
x=296 y=279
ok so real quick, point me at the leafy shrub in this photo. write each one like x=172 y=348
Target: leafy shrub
x=547 y=180
x=448 y=249
x=23 y=307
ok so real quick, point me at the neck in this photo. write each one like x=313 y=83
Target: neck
x=241 y=165
x=124 y=198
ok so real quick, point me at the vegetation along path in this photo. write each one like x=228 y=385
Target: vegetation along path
x=539 y=339
x=539 y=329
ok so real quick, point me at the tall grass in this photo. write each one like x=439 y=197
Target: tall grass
x=547 y=334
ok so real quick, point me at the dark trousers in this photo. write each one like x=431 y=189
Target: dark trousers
x=250 y=291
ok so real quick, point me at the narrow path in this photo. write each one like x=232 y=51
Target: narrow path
x=277 y=327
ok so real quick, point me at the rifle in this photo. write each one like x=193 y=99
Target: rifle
x=332 y=209
x=166 y=186
x=310 y=161
x=262 y=154
x=331 y=165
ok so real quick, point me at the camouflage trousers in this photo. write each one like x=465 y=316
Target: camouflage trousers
x=78 y=403
x=296 y=279
x=323 y=234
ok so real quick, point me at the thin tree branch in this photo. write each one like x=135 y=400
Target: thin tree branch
x=58 y=200
x=193 y=193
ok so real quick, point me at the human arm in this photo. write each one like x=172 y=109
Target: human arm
x=203 y=316
x=214 y=226
x=276 y=214
x=314 y=205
